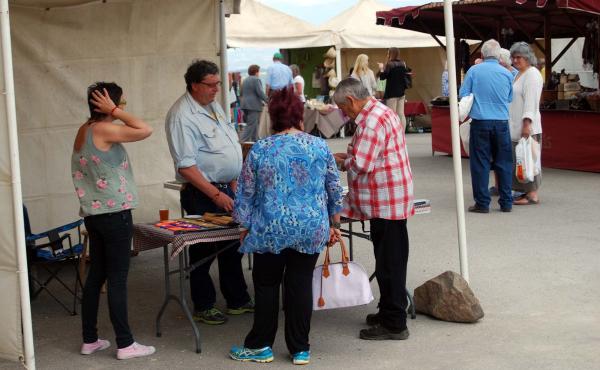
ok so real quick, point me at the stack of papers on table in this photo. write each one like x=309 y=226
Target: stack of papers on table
x=422 y=206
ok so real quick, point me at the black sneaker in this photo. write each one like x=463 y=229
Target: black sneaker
x=373 y=319
x=378 y=332
x=477 y=209
x=247 y=308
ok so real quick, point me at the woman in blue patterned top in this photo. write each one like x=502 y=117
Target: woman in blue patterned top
x=288 y=199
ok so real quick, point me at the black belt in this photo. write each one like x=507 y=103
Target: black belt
x=221 y=185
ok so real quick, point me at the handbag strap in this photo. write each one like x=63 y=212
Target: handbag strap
x=345 y=259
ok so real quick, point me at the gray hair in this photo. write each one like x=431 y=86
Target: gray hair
x=350 y=87
x=505 y=57
x=491 y=49
x=523 y=50
x=295 y=69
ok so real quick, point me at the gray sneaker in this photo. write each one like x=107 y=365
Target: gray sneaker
x=212 y=316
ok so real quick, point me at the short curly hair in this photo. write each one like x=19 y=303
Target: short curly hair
x=286 y=110
x=198 y=70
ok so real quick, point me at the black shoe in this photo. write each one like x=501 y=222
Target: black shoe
x=373 y=319
x=477 y=209
x=506 y=209
x=378 y=332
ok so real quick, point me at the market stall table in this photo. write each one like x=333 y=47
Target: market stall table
x=328 y=121
x=148 y=236
x=569 y=138
x=413 y=109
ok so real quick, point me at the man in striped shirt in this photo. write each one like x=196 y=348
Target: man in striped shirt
x=380 y=190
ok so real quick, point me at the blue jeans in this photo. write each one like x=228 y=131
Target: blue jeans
x=490 y=148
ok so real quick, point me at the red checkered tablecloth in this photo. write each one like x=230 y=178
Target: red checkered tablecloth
x=148 y=236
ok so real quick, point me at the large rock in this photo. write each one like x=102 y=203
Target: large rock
x=448 y=297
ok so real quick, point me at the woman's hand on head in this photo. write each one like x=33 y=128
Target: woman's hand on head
x=103 y=102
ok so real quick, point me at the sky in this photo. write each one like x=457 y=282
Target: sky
x=316 y=12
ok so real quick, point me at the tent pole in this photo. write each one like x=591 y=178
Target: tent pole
x=223 y=61
x=19 y=232
x=456 y=155
x=338 y=72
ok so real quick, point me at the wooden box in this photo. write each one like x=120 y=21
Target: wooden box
x=569 y=86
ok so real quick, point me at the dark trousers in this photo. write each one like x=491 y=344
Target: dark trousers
x=296 y=270
x=231 y=277
x=390 y=242
x=110 y=246
x=490 y=147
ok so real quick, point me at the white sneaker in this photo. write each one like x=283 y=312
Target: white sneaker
x=135 y=350
x=99 y=345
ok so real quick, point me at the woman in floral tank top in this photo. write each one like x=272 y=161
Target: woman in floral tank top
x=104 y=184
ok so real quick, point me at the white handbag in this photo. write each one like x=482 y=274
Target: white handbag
x=340 y=284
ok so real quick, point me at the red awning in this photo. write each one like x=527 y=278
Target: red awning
x=483 y=19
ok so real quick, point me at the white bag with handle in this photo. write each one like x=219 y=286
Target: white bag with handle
x=340 y=284
x=464 y=131
x=464 y=107
x=524 y=164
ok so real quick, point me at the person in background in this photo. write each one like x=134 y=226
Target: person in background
x=104 y=183
x=279 y=75
x=208 y=159
x=253 y=99
x=298 y=82
x=489 y=138
x=394 y=72
x=445 y=81
x=380 y=186
x=288 y=200
x=525 y=118
x=506 y=62
x=364 y=74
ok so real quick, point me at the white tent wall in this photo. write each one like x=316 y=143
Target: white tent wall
x=427 y=65
x=59 y=52
x=10 y=322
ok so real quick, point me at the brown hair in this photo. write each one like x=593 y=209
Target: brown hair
x=393 y=54
x=286 y=110
x=253 y=70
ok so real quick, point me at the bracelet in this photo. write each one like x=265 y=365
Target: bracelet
x=336 y=225
x=113 y=110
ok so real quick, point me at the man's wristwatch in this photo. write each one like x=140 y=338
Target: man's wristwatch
x=335 y=225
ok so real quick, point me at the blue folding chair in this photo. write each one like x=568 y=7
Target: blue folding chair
x=52 y=256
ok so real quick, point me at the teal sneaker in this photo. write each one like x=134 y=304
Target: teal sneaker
x=212 y=316
x=301 y=358
x=240 y=353
x=247 y=308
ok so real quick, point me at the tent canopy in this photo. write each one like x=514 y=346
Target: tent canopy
x=356 y=28
x=259 y=26
x=484 y=19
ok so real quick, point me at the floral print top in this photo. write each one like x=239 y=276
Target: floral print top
x=288 y=189
x=103 y=180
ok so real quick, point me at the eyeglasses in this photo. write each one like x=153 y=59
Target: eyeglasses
x=213 y=85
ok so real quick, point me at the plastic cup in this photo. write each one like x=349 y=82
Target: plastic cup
x=164 y=214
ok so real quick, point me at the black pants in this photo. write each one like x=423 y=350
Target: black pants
x=296 y=269
x=390 y=242
x=110 y=246
x=231 y=277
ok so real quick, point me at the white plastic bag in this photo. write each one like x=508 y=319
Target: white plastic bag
x=465 y=132
x=536 y=152
x=464 y=107
x=525 y=166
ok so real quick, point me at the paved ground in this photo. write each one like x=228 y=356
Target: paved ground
x=535 y=271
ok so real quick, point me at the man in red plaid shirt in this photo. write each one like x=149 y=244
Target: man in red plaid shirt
x=380 y=190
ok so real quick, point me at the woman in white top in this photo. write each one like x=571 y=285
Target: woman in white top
x=525 y=119
x=298 y=82
x=363 y=73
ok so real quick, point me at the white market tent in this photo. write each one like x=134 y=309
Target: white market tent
x=57 y=49
x=358 y=34
x=260 y=26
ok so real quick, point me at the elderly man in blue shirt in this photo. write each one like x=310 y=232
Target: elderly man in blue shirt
x=208 y=160
x=489 y=139
x=279 y=75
